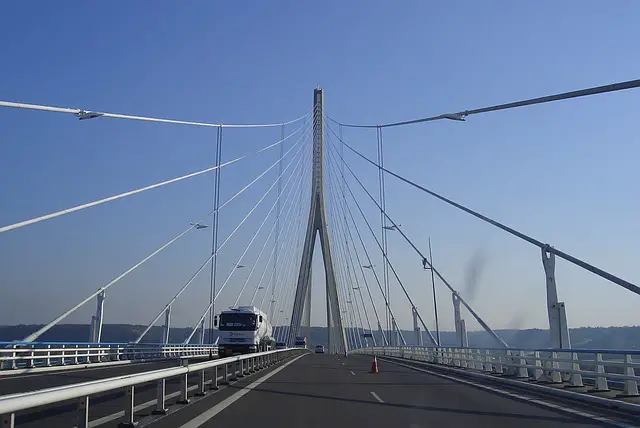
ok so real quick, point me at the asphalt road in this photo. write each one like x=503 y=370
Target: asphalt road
x=326 y=390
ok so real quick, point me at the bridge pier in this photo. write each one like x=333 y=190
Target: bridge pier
x=558 y=327
x=166 y=326
x=95 y=335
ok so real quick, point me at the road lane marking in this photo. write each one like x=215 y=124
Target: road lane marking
x=376 y=397
x=352 y=373
x=203 y=418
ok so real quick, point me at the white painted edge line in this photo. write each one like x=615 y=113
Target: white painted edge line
x=202 y=418
x=517 y=396
x=376 y=396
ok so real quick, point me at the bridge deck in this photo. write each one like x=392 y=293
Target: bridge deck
x=324 y=390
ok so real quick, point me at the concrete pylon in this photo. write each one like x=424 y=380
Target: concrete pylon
x=317 y=226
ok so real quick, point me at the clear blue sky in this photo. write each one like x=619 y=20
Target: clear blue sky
x=565 y=173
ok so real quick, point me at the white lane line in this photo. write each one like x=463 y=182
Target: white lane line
x=202 y=418
x=376 y=397
x=519 y=397
x=352 y=373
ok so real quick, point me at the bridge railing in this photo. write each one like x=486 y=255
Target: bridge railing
x=602 y=368
x=224 y=369
x=27 y=355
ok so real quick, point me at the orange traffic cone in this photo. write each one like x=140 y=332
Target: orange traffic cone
x=374 y=366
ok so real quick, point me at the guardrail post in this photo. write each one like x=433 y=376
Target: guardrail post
x=630 y=385
x=8 y=421
x=201 y=388
x=62 y=355
x=456 y=357
x=75 y=355
x=47 y=361
x=225 y=377
x=129 y=404
x=241 y=373
x=83 y=413
x=523 y=373
x=575 y=379
x=33 y=355
x=508 y=362
x=601 y=384
x=471 y=359
x=161 y=389
x=184 y=399
x=537 y=372
x=234 y=371
x=488 y=366
x=214 y=380
x=498 y=365
x=556 y=377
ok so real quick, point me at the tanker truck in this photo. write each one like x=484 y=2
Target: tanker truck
x=243 y=330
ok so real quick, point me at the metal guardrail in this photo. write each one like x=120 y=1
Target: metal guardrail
x=231 y=368
x=604 y=366
x=15 y=355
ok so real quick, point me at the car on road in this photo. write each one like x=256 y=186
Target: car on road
x=319 y=349
x=281 y=345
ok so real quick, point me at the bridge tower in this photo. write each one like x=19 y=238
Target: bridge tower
x=301 y=316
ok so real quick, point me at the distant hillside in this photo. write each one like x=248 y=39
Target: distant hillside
x=584 y=337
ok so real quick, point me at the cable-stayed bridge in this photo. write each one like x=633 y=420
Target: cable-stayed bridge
x=370 y=372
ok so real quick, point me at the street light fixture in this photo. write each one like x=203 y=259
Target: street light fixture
x=392 y=228
x=198 y=225
x=368 y=266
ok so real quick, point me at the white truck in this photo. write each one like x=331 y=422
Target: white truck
x=244 y=330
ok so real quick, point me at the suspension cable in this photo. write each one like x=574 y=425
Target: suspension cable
x=289 y=269
x=546 y=247
x=389 y=261
x=215 y=233
x=379 y=283
x=140 y=190
x=290 y=255
x=248 y=246
x=89 y=114
x=193 y=277
x=425 y=261
x=294 y=172
x=266 y=241
x=345 y=271
x=366 y=282
x=384 y=336
x=350 y=262
x=289 y=203
x=460 y=116
x=48 y=326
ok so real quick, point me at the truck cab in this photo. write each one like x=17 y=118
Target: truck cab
x=243 y=330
